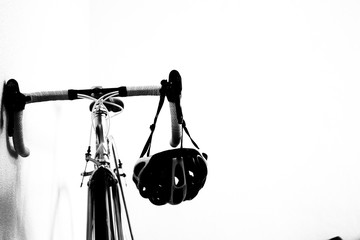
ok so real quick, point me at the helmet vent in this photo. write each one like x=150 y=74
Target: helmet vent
x=179 y=176
x=176 y=180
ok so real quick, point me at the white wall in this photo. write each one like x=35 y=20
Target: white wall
x=44 y=45
x=270 y=93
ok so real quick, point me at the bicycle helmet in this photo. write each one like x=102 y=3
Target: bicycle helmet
x=171 y=176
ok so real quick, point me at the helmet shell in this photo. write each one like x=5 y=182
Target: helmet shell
x=171 y=176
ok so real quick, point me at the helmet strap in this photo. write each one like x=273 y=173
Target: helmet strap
x=192 y=140
x=152 y=126
x=187 y=132
x=147 y=147
x=182 y=134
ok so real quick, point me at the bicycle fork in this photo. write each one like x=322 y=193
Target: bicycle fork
x=104 y=220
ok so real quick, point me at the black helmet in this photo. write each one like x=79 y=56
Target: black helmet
x=171 y=176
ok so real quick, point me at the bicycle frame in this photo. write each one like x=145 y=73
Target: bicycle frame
x=105 y=187
x=103 y=214
x=105 y=193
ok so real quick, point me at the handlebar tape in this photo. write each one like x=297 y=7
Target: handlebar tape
x=175 y=126
x=174 y=96
x=139 y=91
x=48 y=96
x=18 y=138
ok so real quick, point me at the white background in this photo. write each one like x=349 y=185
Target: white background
x=270 y=92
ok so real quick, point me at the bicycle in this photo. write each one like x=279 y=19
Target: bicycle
x=171 y=176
